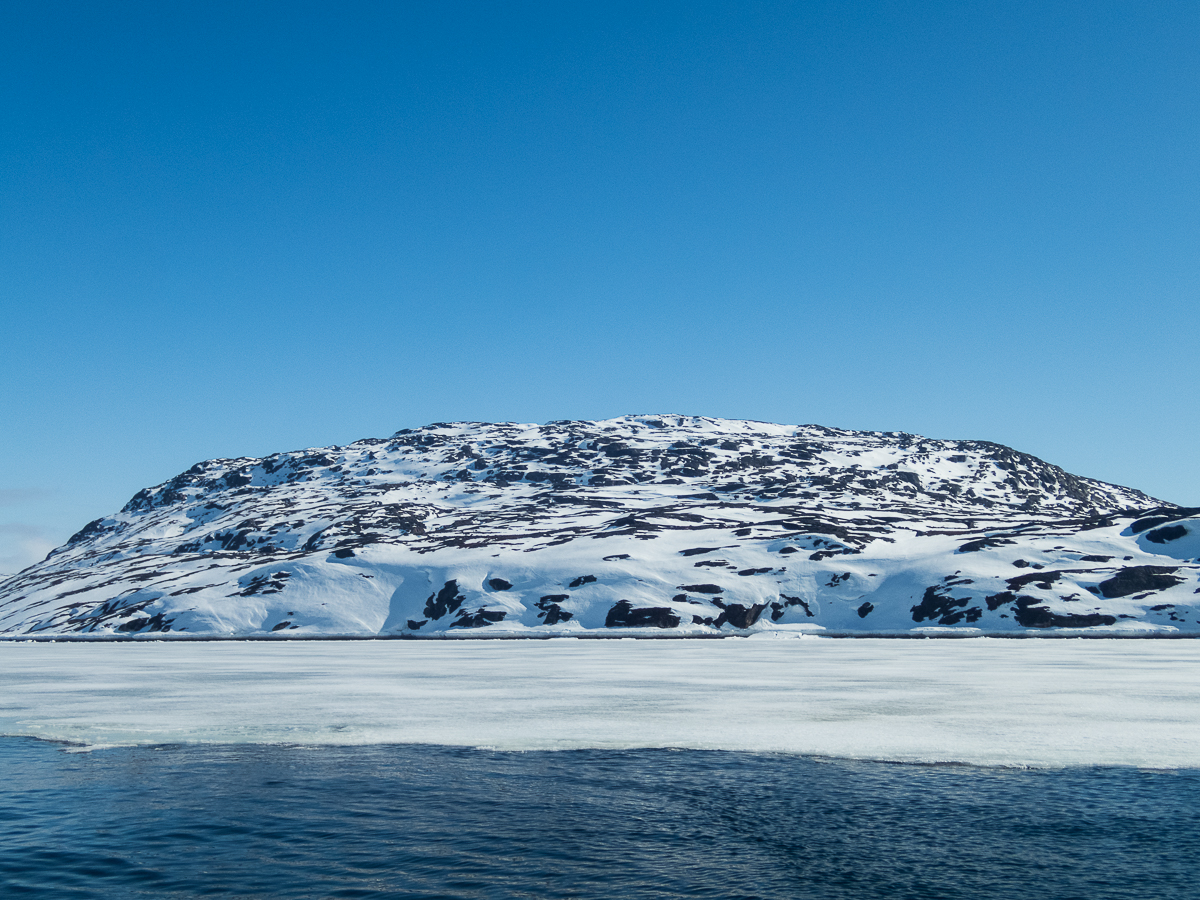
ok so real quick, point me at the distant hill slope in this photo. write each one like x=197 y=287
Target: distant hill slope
x=641 y=523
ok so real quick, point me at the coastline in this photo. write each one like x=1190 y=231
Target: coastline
x=836 y=635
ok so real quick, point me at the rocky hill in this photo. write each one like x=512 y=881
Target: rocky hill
x=642 y=524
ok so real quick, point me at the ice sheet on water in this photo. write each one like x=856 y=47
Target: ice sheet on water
x=981 y=701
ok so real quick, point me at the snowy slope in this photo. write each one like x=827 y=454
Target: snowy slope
x=684 y=524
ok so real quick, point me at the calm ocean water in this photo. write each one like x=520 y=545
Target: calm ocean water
x=426 y=822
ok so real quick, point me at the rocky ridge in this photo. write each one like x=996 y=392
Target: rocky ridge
x=641 y=524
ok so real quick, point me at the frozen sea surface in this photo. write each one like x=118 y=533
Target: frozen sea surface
x=976 y=701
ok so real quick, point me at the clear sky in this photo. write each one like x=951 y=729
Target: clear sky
x=231 y=229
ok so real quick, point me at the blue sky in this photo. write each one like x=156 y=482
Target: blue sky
x=230 y=229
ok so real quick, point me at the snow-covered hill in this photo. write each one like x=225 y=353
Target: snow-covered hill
x=644 y=523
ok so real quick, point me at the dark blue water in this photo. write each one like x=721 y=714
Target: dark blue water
x=244 y=821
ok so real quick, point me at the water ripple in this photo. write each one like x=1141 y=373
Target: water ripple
x=435 y=822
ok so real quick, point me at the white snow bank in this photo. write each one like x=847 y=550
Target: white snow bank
x=982 y=701
x=1179 y=539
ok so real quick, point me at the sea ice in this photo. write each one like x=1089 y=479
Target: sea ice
x=977 y=700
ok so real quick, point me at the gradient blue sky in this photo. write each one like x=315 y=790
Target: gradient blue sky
x=231 y=229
